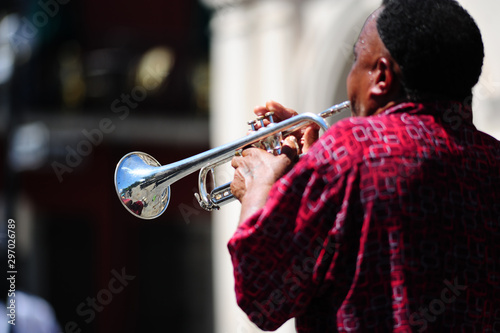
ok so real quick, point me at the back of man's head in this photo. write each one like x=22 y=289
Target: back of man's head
x=436 y=43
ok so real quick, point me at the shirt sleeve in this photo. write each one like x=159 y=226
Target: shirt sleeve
x=281 y=254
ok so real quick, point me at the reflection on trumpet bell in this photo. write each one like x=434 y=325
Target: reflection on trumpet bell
x=137 y=188
x=135 y=207
x=143 y=184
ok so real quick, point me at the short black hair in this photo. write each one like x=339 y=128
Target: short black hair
x=436 y=43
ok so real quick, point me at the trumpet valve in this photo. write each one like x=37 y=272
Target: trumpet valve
x=261 y=119
x=252 y=123
x=270 y=115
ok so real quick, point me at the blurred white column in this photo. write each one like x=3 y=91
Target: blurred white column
x=231 y=61
x=323 y=60
x=252 y=43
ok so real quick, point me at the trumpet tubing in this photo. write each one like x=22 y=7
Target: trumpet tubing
x=143 y=184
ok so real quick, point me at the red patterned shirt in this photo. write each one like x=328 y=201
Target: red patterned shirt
x=389 y=223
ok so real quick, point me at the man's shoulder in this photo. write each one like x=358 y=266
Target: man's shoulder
x=370 y=121
x=357 y=138
x=364 y=128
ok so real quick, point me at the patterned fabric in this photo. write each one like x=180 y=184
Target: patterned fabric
x=389 y=223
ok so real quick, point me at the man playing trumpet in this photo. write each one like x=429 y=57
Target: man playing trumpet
x=390 y=220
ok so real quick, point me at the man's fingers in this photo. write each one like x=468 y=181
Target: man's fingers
x=248 y=151
x=310 y=136
x=290 y=148
x=280 y=112
x=260 y=110
x=235 y=161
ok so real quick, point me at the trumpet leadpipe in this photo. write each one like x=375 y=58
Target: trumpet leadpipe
x=338 y=108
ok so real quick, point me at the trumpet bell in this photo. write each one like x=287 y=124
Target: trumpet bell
x=137 y=187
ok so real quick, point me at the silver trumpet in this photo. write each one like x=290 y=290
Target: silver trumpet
x=143 y=184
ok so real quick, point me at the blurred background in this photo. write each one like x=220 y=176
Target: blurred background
x=82 y=83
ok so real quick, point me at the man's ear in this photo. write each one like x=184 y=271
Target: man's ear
x=384 y=78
